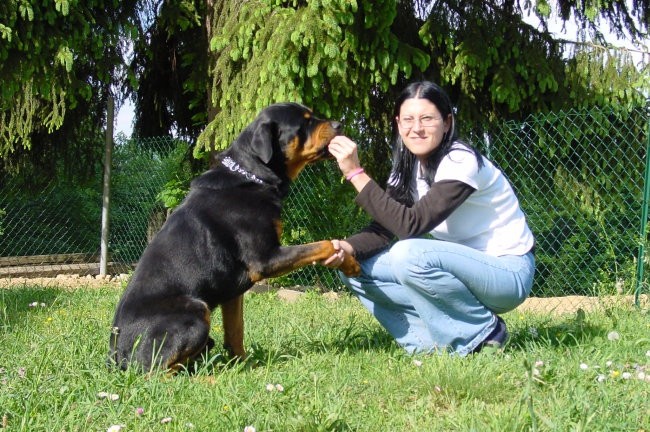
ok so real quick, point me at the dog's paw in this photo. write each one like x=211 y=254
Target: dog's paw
x=350 y=266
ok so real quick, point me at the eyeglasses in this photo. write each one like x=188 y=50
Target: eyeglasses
x=425 y=121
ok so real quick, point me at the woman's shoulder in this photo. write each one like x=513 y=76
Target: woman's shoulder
x=459 y=152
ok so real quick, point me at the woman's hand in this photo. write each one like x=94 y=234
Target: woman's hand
x=342 y=248
x=345 y=152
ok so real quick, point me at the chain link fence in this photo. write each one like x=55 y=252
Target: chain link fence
x=579 y=175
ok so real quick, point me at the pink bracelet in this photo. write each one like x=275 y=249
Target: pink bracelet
x=354 y=173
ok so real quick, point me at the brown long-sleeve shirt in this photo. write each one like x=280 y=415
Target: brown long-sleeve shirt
x=392 y=219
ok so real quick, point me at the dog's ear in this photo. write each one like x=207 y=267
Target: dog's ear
x=262 y=143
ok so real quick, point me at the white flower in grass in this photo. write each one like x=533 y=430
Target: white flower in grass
x=609 y=363
x=110 y=396
x=642 y=376
x=166 y=420
x=115 y=428
x=601 y=378
x=584 y=366
x=533 y=332
x=271 y=387
x=626 y=375
x=417 y=363
x=249 y=429
x=613 y=336
x=647 y=353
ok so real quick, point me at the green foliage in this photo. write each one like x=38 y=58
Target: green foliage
x=498 y=66
x=54 y=57
x=597 y=75
x=173 y=193
x=346 y=59
x=328 y=55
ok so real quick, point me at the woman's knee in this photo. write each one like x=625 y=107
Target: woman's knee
x=402 y=252
x=405 y=259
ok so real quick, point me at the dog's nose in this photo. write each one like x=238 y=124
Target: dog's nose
x=337 y=126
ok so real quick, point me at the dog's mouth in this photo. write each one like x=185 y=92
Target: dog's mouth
x=324 y=152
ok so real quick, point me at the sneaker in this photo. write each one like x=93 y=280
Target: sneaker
x=495 y=340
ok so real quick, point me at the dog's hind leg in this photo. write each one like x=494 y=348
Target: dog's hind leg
x=232 y=313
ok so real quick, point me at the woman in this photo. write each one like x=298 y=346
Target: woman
x=440 y=294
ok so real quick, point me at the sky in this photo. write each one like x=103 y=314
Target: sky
x=124 y=118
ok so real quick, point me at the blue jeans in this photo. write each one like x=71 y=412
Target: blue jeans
x=433 y=295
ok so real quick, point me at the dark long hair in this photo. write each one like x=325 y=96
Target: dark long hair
x=403 y=160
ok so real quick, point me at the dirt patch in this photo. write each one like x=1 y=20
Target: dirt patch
x=66 y=281
x=571 y=304
x=554 y=305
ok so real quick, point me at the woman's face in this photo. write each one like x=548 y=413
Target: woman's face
x=421 y=126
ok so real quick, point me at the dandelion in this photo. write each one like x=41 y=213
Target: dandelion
x=417 y=363
x=613 y=336
x=615 y=374
x=115 y=428
x=584 y=366
x=249 y=429
x=166 y=420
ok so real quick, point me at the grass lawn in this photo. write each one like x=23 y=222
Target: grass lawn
x=321 y=365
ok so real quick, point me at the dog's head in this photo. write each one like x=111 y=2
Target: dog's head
x=285 y=137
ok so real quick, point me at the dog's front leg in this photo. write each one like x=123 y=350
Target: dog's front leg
x=289 y=258
x=232 y=314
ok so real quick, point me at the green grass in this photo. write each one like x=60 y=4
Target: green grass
x=338 y=370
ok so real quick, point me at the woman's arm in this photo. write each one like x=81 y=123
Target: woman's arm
x=405 y=222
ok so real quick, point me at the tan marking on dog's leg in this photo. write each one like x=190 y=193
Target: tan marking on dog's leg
x=232 y=313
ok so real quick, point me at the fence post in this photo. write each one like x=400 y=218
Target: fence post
x=644 y=215
x=106 y=199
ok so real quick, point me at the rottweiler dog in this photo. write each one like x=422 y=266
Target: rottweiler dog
x=224 y=237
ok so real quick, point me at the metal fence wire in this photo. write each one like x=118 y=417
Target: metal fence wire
x=580 y=177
